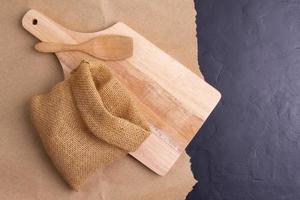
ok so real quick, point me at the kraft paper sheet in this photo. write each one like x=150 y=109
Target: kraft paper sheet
x=25 y=170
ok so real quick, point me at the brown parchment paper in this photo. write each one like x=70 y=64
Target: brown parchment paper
x=25 y=170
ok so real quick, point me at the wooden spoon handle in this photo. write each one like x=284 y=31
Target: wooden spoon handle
x=51 y=47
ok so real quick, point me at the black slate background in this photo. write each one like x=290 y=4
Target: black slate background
x=249 y=149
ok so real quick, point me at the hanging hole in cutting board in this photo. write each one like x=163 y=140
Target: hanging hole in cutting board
x=34 y=21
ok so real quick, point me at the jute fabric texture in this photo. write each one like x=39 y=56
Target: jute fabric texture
x=87 y=121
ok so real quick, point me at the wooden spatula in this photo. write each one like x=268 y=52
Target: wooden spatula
x=106 y=47
x=174 y=100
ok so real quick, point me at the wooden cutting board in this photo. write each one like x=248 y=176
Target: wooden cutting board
x=174 y=100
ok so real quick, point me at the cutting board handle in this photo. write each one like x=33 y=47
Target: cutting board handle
x=44 y=28
x=47 y=30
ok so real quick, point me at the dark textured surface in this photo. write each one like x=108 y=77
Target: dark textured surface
x=249 y=149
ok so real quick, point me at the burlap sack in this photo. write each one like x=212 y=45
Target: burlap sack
x=87 y=121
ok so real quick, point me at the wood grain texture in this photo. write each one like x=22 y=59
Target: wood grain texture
x=175 y=101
